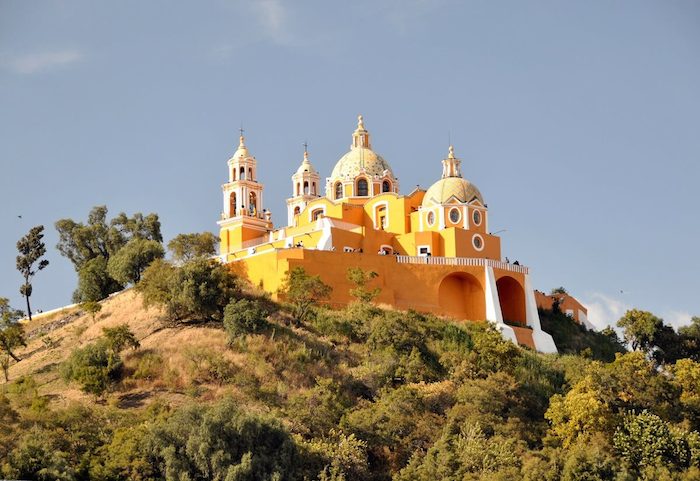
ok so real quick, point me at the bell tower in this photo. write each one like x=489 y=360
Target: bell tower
x=305 y=188
x=243 y=218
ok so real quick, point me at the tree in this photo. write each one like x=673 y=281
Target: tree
x=641 y=329
x=361 y=278
x=11 y=335
x=31 y=249
x=129 y=262
x=185 y=247
x=94 y=282
x=303 y=290
x=93 y=366
x=690 y=339
x=222 y=442
x=92 y=308
x=119 y=337
x=199 y=290
x=90 y=246
x=243 y=316
x=559 y=290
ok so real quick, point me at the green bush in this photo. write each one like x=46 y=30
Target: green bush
x=245 y=316
x=94 y=367
x=199 y=290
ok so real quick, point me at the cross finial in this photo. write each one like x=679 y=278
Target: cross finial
x=306 y=146
x=241 y=138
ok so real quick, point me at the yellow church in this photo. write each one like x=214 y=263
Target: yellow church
x=432 y=249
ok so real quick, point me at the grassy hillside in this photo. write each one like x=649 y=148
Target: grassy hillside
x=360 y=393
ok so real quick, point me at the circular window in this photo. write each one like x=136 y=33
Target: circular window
x=477 y=242
x=455 y=215
x=431 y=218
x=476 y=217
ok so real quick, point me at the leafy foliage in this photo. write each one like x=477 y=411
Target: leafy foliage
x=304 y=291
x=361 y=278
x=185 y=247
x=129 y=262
x=11 y=335
x=245 y=316
x=90 y=246
x=31 y=249
x=199 y=290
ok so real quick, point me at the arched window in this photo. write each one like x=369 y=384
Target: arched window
x=315 y=214
x=232 y=204
x=306 y=187
x=242 y=174
x=313 y=188
x=381 y=217
x=338 y=190
x=386 y=186
x=252 y=204
x=250 y=173
x=296 y=210
x=362 y=188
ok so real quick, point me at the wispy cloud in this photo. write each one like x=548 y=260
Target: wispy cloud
x=40 y=62
x=604 y=310
x=272 y=17
x=677 y=318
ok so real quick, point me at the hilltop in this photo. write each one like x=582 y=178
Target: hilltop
x=358 y=393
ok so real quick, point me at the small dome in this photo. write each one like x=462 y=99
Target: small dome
x=306 y=165
x=451 y=187
x=359 y=158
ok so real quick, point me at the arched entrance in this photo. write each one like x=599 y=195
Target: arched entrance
x=461 y=296
x=511 y=296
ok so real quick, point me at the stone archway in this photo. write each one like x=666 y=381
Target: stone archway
x=461 y=296
x=511 y=296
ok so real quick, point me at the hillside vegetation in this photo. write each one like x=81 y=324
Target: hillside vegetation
x=192 y=374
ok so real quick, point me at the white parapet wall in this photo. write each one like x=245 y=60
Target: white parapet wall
x=543 y=341
x=493 y=307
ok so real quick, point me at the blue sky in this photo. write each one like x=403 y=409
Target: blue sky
x=578 y=121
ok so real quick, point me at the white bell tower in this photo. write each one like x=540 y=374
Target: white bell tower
x=305 y=188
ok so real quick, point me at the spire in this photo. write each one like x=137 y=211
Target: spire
x=306 y=163
x=360 y=138
x=242 y=151
x=451 y=166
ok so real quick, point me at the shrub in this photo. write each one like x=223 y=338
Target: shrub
x=199 y=290
x=94 y=366
x=304 y=291
x=222 y=442
x=245 y=316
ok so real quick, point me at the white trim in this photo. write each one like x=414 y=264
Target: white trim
x=375 y=208
x=493 y=306
x=322 y=208
x=542 y=340
x=387 y=247
x=441 y=213
x=465 y=217
x=474 y=237
x=347 y=249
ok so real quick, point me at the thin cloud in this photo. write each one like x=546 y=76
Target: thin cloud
x=272 y=17
x=677 y=318
x=40 y=62
x=604 y=310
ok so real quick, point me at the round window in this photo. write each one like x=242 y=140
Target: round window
x=476 y=217
x=478 y=242
x=455 y=215
x=431 y=218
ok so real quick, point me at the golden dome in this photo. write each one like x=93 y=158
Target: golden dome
x=361 y=157
x=451 y=187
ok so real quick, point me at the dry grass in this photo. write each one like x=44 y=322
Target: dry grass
x=262 y=370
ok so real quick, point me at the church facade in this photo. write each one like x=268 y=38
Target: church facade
x=432 y=249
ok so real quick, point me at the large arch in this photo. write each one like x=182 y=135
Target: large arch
x=461 y=296
x=511 y=296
